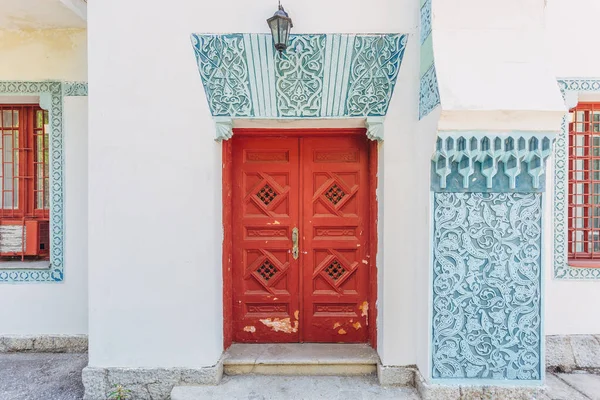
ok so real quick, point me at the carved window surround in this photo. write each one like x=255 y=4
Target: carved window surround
x=572 y=89
x=51 y=95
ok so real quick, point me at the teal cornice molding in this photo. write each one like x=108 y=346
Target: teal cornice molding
x=318 y=76
x=490 y=161
x=571 y=88
x=51 y=95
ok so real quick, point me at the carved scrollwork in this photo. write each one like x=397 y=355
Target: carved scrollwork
x=486 y=286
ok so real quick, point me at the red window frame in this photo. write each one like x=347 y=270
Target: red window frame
x=584 y=186
x=24 y=164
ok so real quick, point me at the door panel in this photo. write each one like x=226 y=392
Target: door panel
x=335 y=223
x=265 y=275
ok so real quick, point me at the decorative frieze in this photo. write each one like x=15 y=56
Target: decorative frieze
x=317 y=76
x=490 y=162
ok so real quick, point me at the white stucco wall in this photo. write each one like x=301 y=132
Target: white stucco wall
x=47 y=308
x=58 y=54
x=61 y=308
x=155 y=202
x=571 y=306
x=570 y=26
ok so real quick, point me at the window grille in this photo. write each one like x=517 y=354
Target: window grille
x=584 y=185
x=24 y=181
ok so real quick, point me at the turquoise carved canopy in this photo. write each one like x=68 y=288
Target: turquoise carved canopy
x=324 y=75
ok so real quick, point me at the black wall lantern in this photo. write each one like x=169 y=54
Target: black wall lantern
x=280 y=24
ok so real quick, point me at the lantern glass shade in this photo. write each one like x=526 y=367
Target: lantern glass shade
x=280 y=24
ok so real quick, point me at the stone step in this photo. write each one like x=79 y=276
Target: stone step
x=261 y=387
x=300 y=359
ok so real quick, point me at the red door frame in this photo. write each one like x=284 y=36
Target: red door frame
x=227 y=186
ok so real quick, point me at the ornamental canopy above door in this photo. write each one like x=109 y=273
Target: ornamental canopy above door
x=318 y=76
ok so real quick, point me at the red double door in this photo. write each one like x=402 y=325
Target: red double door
x=300 y=234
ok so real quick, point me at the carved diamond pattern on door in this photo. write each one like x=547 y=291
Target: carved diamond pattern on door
x=266 y=194
x=320 y=186
x=335 y=271
x=269 y=271
x=335 y=194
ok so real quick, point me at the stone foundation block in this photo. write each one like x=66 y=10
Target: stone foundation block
x=44 y=343
x=429 y=391
x=559 y=354
x=396 y=375
x=146 y=383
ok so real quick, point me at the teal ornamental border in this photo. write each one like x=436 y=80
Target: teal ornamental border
x=51 y=95
x=562 y=270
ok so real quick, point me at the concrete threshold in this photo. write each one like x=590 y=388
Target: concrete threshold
x=300 y=359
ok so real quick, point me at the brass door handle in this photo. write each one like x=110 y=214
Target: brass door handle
x=295 y=251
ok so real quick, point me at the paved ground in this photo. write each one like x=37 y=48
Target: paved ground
x=576 y=386
x=49 y=376
x=41 y=376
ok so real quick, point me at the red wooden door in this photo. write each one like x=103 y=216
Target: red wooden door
x=335 y=268
x=265 y=211
x=320 y=186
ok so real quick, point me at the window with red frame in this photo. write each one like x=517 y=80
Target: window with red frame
x=24 y=183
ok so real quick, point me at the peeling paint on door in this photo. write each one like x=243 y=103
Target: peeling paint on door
x=281 y=324
x=364 y=308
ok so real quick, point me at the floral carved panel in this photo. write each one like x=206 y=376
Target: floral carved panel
x=224 y=73
x=373 y=74
x=487 y=286
x=299 y=73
